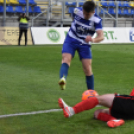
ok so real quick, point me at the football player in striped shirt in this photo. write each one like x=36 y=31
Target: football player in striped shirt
x=79 y=38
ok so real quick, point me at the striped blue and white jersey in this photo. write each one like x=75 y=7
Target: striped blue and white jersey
x=81 y=28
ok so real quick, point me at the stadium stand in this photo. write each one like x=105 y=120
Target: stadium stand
x=81 y=4
x=32 y=2
x=18 y=9
x=111 y=4
x=9 y=9
x=104 y=4
x=111 y=11
x=30 y=10
x=13 y=2
x=22 y=2
x=71 y=6
x=37 y=9
x=1 y=9
x=59 y=14
x=2 y=1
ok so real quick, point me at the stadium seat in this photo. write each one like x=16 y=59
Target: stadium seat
x=71 y=10
x=30 y=9
x=2 y=1
x=81 y=4
x=102 y=11
x=111 y=11
x=18 y=9
x=111 y=4
x=119 y=12
x=37 y=9
x=126 y=4
x=132 y=12
x=104 y=4
x=32 y=2
x=1 y=9
x=9 y=9
x=131 y=4
x=14 y=2
x=126 y=12
x=22 y=2
x=98 y=3
x=120 y=4
x=70 y=4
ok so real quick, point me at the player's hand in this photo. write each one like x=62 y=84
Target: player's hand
x=89 y=38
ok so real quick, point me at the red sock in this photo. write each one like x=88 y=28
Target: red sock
x=86 y=105
x=132 y=92
x=105 y=117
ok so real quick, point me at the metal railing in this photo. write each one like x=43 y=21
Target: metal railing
x=4 y=13
x=62 y=20
x=63 y=17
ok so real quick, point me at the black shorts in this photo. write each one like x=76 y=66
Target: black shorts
x=123 y=107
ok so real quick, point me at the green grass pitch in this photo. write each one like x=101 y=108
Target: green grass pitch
x=29 y=82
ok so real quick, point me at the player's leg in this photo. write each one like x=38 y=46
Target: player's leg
x=87 y=68
x=68 y=52
x=104 y=115
x=66 y=60
x=97 y=112
x=105 y=100
x=86 y=58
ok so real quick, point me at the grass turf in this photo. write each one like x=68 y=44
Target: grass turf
x=28 y=82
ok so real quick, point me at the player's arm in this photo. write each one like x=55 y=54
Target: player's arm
x=99 y=37
x=99 y=32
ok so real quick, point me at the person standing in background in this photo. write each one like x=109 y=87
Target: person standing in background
x=23 y=27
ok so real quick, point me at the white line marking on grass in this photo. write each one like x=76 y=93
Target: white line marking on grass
x=33 y=112
x=30 y=113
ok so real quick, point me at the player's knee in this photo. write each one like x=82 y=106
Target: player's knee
x=66 y=60
x=100 y=99
x=96 y=113
x=88 y=71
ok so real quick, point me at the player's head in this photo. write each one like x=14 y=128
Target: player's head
x=88 y=9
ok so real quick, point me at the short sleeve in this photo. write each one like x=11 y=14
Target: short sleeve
x=98 y=25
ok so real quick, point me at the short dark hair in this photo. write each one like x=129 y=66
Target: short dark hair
x=89 y=6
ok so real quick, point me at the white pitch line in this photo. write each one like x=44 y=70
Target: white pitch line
x=33 y=112
x=30 y=113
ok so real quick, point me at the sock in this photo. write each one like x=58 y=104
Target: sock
x=105 y=117
x=90 y=82
x=64 y=70
x=86 y=105
x=132 y=92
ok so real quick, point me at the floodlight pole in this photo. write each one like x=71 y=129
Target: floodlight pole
x=4 y=13
x=27 y=7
